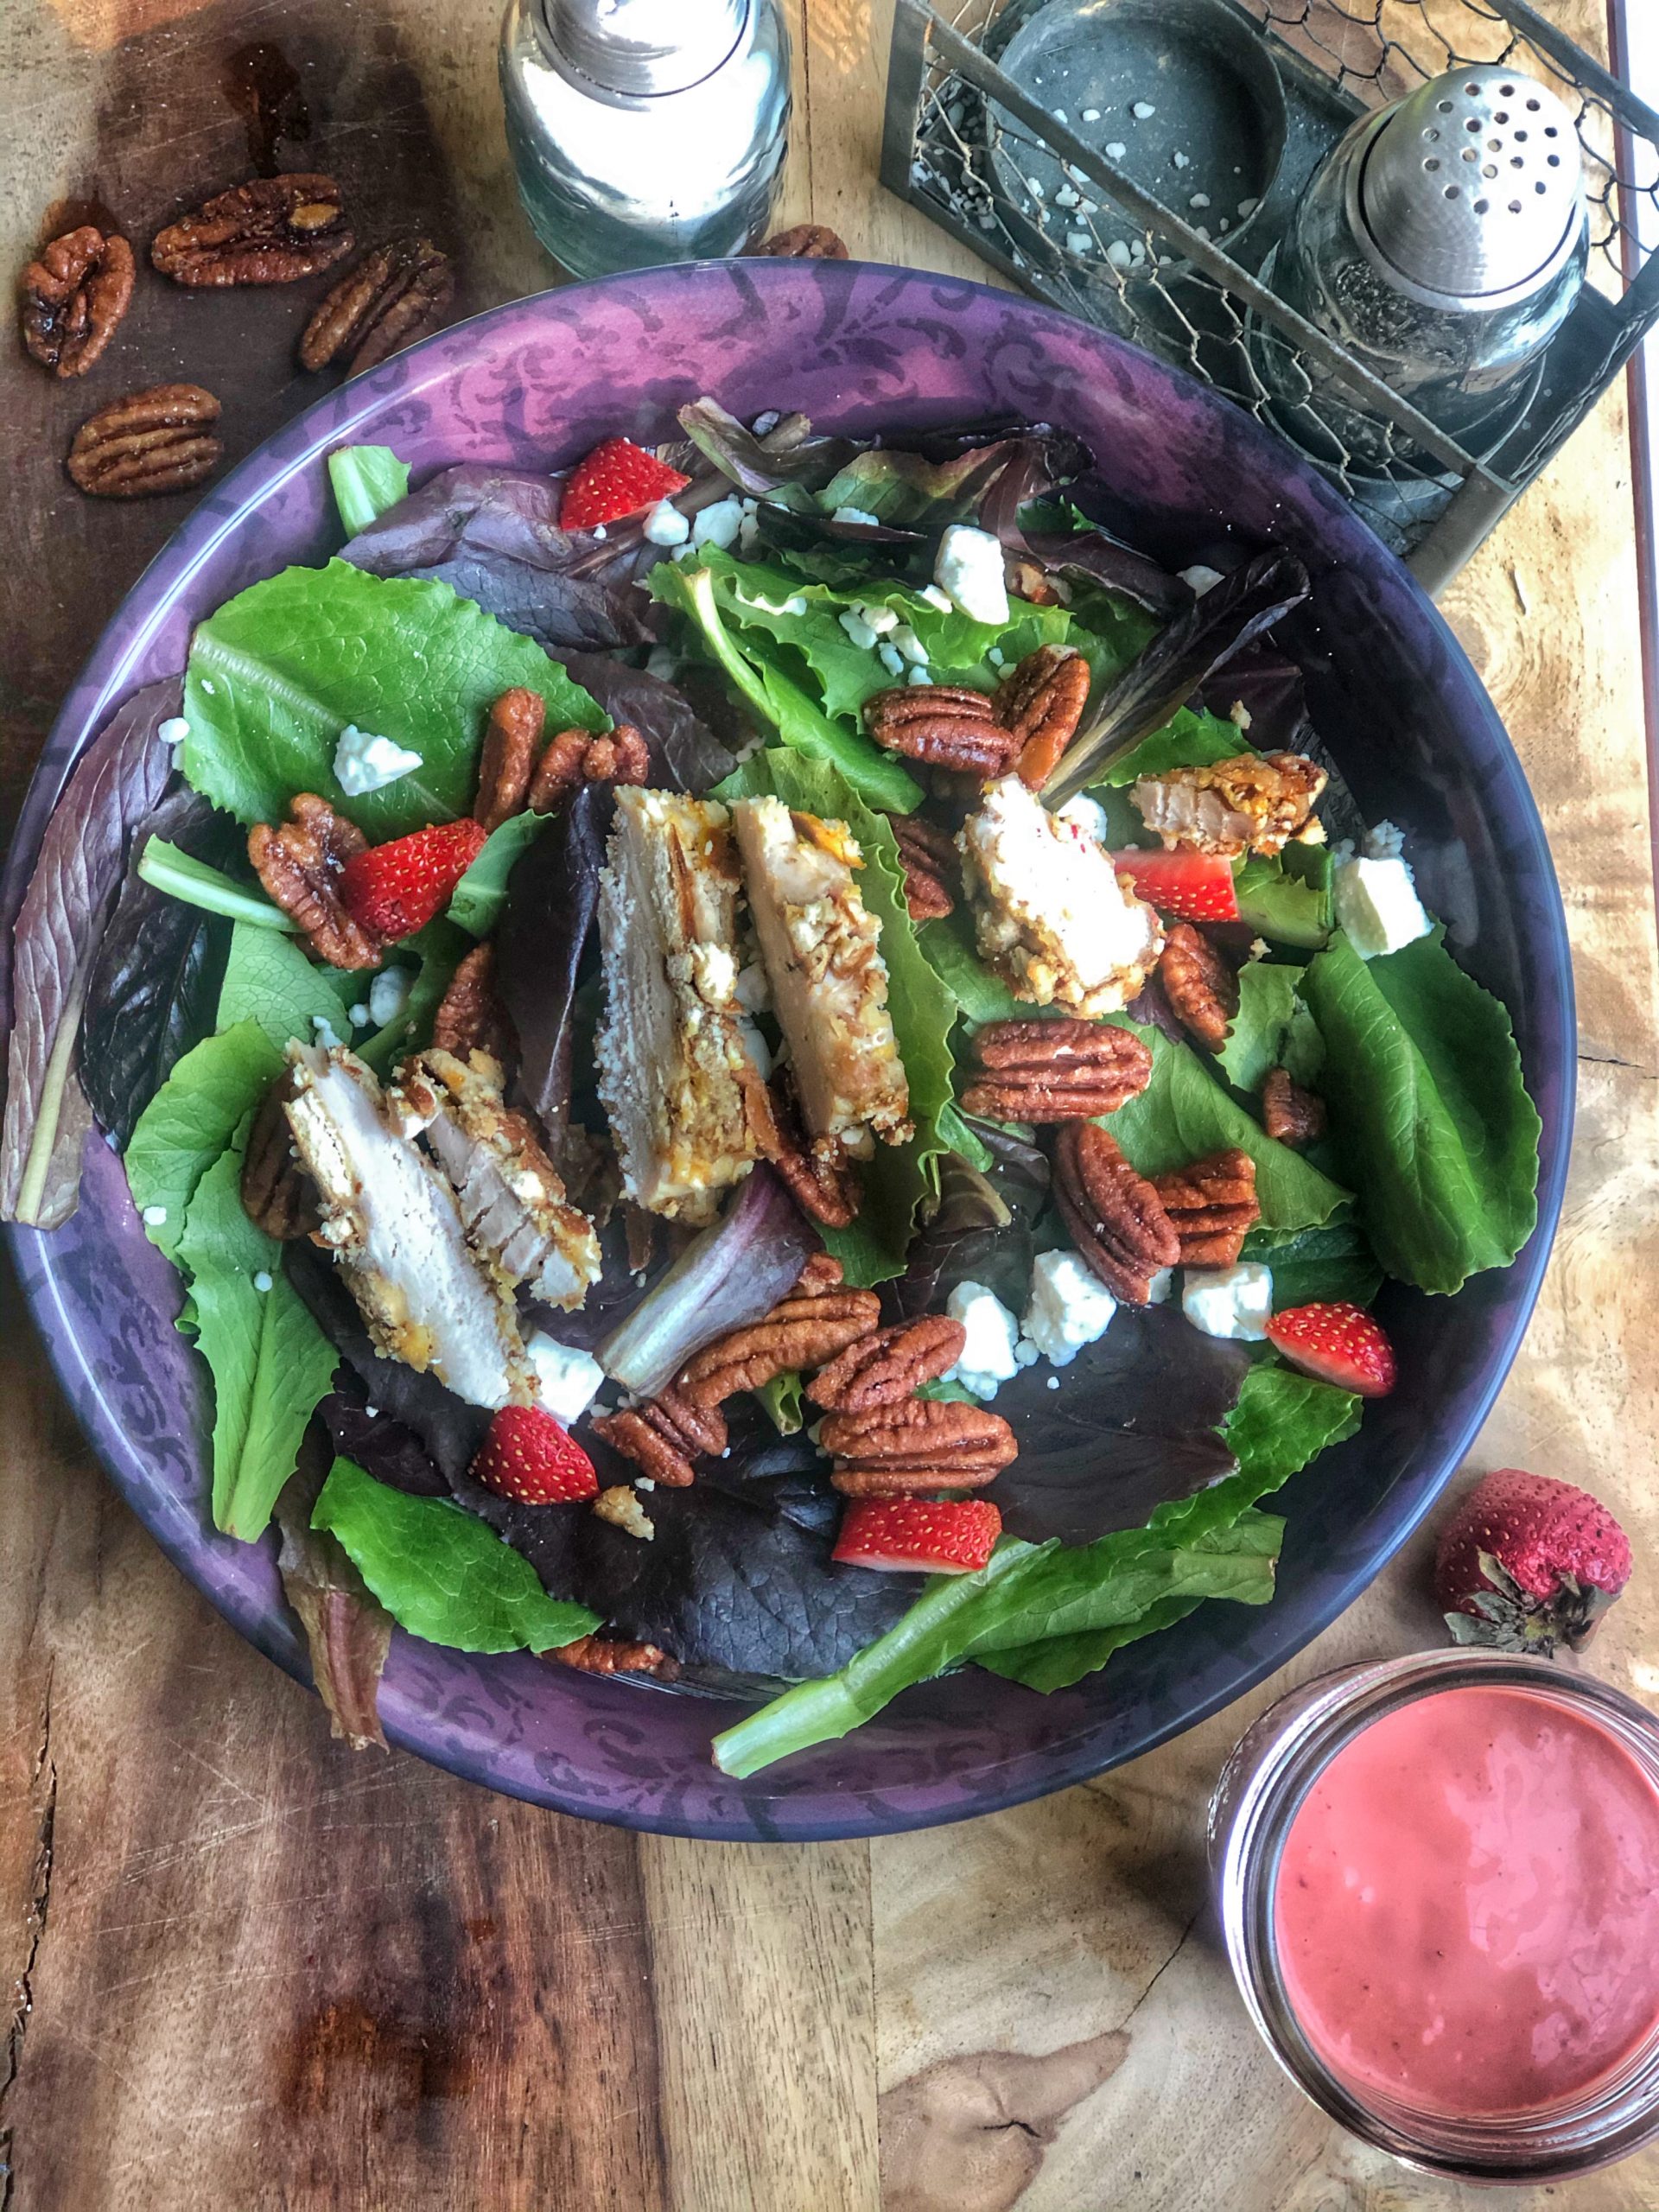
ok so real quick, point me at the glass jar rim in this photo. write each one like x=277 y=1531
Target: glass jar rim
x=1260 y=1790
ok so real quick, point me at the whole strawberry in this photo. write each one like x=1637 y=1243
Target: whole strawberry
x=527 y=1457
x=1528 y=1563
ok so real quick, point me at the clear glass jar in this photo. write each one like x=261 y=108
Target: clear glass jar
x=1260 y=1790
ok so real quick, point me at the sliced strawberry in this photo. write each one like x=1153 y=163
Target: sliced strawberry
x=393 y=890
x=1336 y=1343
x=617 y=479
x=527 y=1457
x=918 y=1535
x=1193 y=886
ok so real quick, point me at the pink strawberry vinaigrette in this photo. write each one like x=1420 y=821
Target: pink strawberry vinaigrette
x=1466 y=1910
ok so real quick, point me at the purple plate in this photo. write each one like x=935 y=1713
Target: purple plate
x=859 y=348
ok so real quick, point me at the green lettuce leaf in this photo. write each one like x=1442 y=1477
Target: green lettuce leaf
x=192 y=1119
x=981 y=994
x=197 y=883
x=281 y=670
x=1032 y=1592
x=1256 y=1039
x=269 y=980
x=1313 y=1265
x=782 y=1399
x=1424 y=1086
x=1184 y=1113
x=482 y=891
x=440 y=1572
x=1236 y=1563
x=1287 y=900
x=1190 y=738
x=366 y=481
x=900 y=1178
x=438 y=948
x=877 y=777
x=272 y=1364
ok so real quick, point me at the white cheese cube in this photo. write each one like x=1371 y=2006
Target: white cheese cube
x=1070 y=1306
x=1229 y=1301
x=989 y=1356
x=666 y=526
x=718 y=526
x=970 y=568
x=566 y=1379
x=363 y=762
x=1377 y=906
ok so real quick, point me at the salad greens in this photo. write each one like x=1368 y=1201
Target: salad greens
x=1424 y=1085
x=1030 y=1593
x=1287 y=898
x=192 y=1122
x=482 y=891
x=1256 y=1037
x=440 y=1572
x=283 y=667
x=368 y=481
x=197 y=883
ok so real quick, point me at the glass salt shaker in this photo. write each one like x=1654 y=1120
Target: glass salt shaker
x=645 y=130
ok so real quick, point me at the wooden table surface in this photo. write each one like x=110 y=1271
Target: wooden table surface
x=253 y=1969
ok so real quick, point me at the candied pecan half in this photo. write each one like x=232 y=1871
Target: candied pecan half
x=822 y=1271
x=893 y=1364
x=278 y=1194
x=1199 y=983
x=270 y=230
x=1068 y=1071
x=299 y=865
x=920 y=1443
x=73 y=297
x=150 y=442
x=803 y=242
x=1030 y=580
x=1212 y=1205
x=394 y=295
x=1118 y=1222
x=943 y=726
x=823 y=1183
x=577 y=756
x=1290 y=1114
x=663 y=1436
x=804 y=1330
x=931 y=865
x=609 y=1655
x=513 y=738
x=1042 y=700
x=470 y=1017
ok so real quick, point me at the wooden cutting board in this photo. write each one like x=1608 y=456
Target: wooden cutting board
x=253 y=1969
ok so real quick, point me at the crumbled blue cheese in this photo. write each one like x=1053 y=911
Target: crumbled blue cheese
x=360 y=1016
x=856 y=514
x=665 y=525
x=363 y=762
x=1070 y=1307
x=1159 y=1288
x=718 y=526
x=155 y=1216
x=889 y=657
x=173 y=731
x=1387 y=842
x=766 y=422
x=326 y=1032
x=858 y=630
x=883 y=619
x=904 y=640
x=970 y=568
x=1201 y=578
x=1229 y=1301
x=566 y=1379
x=936 y=598
x=389 y=995
x=990 y=1354
x=1377 y=906
x=1086 y=816
x=262 y=1281
x=920 y=675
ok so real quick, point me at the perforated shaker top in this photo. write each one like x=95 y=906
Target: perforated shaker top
x=1474 y=182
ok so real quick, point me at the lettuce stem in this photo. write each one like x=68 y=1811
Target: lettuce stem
x=196 y=884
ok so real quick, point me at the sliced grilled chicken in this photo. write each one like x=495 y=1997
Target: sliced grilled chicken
x=821 y=948
x=390 y=1219
x=1256 y=802
x=688 y=1110
x=1050 y=914
x=513 y=1205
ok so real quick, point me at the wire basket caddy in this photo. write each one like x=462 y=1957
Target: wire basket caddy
x=1039 y=192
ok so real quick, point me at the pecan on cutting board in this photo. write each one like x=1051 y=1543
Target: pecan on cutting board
x=150 y=442
x=394 y=294
x=73 y=296
x=272 y=231
x=803 y=242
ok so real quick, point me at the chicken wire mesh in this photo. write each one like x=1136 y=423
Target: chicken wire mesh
x=1172 y=245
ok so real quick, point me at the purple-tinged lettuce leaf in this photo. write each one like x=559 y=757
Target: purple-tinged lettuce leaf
x=1103 y=560
x=732 y=1273
x=907 y=491
x=1179 y=662
x=787 y=456
x=155 y=974
x=347 y=1632
x=551 y=906
x=82 y=858
x=980 y=1231
x=686 y=755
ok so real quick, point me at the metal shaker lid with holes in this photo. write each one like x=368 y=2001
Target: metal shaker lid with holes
x=1470 y=191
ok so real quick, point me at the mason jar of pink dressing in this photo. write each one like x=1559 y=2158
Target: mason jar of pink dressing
x=1439 y=1885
